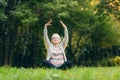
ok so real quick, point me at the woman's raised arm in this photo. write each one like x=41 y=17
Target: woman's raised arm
x=46 y=39
x=64 y=42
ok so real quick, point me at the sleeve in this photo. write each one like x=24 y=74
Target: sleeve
x=64 y=42
x=46 y=39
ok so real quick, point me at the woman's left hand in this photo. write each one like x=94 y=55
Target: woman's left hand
x=64 y=26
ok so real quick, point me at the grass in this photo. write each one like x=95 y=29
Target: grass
x=82 y=73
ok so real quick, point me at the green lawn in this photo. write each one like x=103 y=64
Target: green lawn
x=81 y=73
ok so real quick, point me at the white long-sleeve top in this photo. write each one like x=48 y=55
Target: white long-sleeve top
x=50 y=47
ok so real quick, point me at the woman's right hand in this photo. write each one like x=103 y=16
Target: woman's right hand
x=49 y=23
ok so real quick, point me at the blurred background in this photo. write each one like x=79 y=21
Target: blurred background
x=94 y=31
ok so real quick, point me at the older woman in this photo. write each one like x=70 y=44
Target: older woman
x=56 y=57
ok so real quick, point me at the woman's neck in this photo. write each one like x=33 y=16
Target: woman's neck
x=56 y=45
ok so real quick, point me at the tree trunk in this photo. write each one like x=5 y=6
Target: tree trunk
x=7 y=49
x=9 y=28
x=76 y=50
x=0 y=52
x=12 y=41
x=70 y=51
x=2 y=44
x=35 y=51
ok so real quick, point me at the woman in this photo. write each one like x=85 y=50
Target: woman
x=56 y=57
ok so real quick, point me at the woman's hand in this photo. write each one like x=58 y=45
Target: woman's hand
x=64 y=26
x=49 y=23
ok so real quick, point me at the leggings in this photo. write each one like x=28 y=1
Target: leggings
x=65 y=65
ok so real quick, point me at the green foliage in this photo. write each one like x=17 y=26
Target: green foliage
x=103 y=33
x=3 y=17
x=117 y=60
x=3 y=4
x=84 y=73
x=106 y=62
x=25 y=15
x=59 y=8
x=22 y=23
x=107 y=7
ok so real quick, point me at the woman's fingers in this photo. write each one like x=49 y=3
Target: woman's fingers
x=49 y=23
x=62 y=24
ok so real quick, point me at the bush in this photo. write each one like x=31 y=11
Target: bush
x=117 y=60
x=107 y=62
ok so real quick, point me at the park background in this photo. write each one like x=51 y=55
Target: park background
x=94 y=31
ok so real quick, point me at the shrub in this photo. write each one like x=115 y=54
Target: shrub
x=117 y=60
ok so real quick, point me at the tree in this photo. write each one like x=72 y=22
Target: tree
x=3 y=18
x=22 y=23
x=109 y=7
